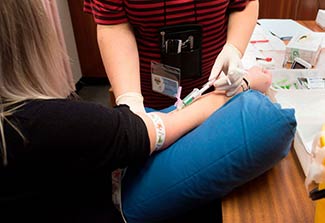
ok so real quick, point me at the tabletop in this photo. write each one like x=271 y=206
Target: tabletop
x=279 y=195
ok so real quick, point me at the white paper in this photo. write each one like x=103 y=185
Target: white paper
x=309 y=108
x=283 y=28
x=274 y=43
x=274 y=48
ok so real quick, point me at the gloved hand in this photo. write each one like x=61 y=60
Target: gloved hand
x=228 y=61
x=133 y=99
x=229 y=83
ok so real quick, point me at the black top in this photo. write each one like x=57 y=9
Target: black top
x=61 y=172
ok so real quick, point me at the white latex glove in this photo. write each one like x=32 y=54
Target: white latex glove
x=133 y=99
x=228 y=61
x=230 y=83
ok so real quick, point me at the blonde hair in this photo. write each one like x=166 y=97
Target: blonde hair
x=32 y=61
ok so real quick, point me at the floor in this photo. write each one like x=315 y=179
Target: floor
x=95 y=93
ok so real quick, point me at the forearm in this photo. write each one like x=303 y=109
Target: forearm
x=241 y=26
x=178 y=123
x=119 y=54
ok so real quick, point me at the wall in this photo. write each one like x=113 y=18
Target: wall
x=85 y=28
x=290 y=9
x=85 y=35
x=69 y=38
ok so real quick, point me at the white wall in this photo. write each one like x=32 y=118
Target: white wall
x=66 y=23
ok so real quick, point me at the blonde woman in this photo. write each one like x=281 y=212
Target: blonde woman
x=57 y=153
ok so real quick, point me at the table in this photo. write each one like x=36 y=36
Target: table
x=279 y=195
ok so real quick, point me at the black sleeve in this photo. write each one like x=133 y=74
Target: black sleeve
x=87 y=135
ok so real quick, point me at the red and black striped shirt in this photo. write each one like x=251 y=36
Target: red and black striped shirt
x=147 y=16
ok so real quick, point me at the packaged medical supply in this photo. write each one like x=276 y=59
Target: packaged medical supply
x=307 y=46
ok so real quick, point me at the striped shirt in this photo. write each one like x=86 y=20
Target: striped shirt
x=147 y=16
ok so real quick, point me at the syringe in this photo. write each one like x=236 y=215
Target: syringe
x=194 y=95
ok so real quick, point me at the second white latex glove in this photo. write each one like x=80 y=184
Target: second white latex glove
x=133 y=99
x=229 y=83
x=228 y=61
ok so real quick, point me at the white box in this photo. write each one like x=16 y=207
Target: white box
x=309 y=108
x=307 y=46
x=320 y=19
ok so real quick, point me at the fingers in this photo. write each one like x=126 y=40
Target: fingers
x=216 y=69
x=236 y=74
x=234 y=88
x=259 y=70
x=222 y=84
x=230 y=82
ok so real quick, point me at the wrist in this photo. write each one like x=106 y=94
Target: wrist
x=234 y=49
x=133 y=99
x=160 y=131
x=245 y=85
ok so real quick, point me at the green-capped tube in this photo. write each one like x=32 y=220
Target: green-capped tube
x=190 y=97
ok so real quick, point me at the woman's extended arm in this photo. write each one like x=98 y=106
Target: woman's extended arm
x=119 y=53
x=177 y=123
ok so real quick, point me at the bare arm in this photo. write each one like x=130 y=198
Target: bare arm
x=119 y=53
x=241 y=25
x=177 y=123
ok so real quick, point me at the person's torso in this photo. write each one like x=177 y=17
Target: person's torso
x=48 y=178
x=146 y=19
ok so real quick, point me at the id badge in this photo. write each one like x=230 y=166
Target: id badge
x=165 y=79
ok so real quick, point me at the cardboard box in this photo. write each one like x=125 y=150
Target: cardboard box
x=306 y=46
